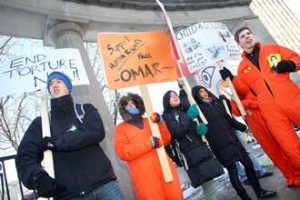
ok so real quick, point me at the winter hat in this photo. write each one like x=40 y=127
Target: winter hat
x=61 y=77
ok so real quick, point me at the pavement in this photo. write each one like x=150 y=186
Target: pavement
x=225 y=190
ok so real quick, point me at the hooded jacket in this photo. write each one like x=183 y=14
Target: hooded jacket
x=181 y=126
x=184 y=134
x=221 y=128
x=80 y=164
x=132 y=145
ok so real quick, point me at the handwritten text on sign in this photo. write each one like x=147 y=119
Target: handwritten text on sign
x=202 y=44
x=29 y=73
x=136 y=58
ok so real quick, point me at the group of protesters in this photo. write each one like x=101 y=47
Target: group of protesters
x=203 y=149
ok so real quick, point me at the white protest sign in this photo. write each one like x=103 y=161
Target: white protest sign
x=210 y=78
x=29 y=73
x=202 y=43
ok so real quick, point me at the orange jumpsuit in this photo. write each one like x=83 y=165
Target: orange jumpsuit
x=132 y=145
x=264 y=137
x=278 y=99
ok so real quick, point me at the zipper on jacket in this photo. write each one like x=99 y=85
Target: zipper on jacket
x=266 y=83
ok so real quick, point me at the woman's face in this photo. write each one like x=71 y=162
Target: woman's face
x=174 y=99
x=130 y=104
x=203 y=93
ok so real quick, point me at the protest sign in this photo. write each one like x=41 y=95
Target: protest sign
x=136 y=58
x=202 y=43
x=29 y=73
x=131 y=59
x=210 y=78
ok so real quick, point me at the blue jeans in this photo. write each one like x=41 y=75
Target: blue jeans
x=108 y=191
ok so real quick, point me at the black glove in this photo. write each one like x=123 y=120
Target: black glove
x=47 y=143
x=225 y=73
x=46 y=186
x=223 y=97
x=241 y=127
x=285 y=66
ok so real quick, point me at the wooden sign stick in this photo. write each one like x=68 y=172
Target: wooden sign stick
x=155 y=132
x=48 y=156
x=234 y=94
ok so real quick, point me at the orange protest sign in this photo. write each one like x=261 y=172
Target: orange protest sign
x=136 y=58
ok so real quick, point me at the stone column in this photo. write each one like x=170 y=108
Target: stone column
x=69 y=35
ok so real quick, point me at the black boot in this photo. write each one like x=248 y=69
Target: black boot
x=263 y=194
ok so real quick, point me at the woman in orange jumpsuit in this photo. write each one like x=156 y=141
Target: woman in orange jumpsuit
x=135 y=144
x=261 y=132
x=277 y=96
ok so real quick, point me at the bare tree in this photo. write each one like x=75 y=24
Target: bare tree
x=16 y=111
x=14 y=119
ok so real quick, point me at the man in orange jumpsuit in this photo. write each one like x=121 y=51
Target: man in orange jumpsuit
x=261 y=132
x=277 y=96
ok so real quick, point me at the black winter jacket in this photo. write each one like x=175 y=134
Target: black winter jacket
x=221 y=129
x=183 y=130
x=79 y=162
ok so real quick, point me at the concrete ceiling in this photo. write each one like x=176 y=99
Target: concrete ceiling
x=33 y=18
x=170 y=5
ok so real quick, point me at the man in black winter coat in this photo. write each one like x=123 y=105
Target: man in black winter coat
x=81 y=168
x=224 y=143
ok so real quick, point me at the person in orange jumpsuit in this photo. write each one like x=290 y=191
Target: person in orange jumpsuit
x=135 y=144
x=277 y=96
x=262 y=133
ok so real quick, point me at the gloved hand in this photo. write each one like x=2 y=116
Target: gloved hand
x=225 y=73
x=193 y=111
x=201 y=129
x=222 y=97
x=46 y=186
x=241 y=127
x=180 y=83
x=156 y=118
x=285 y=66
x=47 y=143
x=155 y=142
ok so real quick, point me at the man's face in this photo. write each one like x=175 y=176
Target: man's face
x=274 y=61
x=246 y=40
x=58 y=88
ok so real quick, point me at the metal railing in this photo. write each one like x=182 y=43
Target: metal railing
x=5 y=190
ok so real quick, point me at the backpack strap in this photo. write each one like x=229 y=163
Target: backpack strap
x=79 y=111
x=181 y=156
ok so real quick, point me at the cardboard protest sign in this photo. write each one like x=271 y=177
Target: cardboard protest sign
x=29 y=73
x=202 y=43
x=136 y=58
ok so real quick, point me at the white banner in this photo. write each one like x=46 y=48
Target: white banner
x=204 y=43
x=29 y=73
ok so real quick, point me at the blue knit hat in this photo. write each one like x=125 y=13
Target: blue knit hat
x=61 y=77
